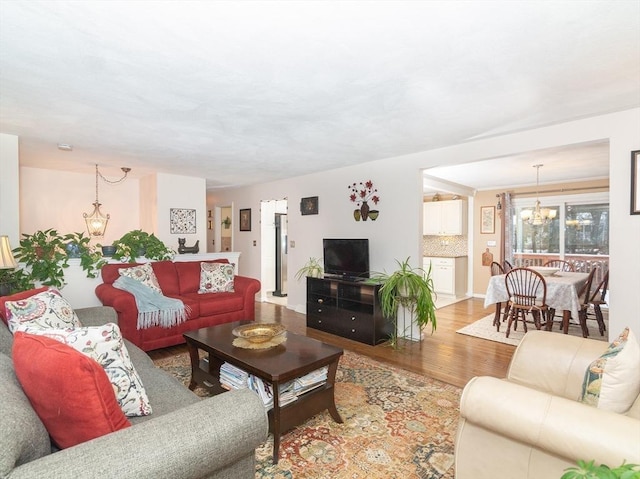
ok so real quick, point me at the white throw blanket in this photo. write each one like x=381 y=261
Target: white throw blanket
x=154 y=309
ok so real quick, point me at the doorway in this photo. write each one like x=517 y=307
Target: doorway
x=274 y=251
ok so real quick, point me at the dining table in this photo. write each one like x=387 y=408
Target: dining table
x=562 y=295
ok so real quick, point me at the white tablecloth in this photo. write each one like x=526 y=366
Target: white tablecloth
x=562 y=291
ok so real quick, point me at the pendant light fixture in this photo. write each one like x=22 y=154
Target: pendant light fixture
x=538 y=216
x=96 y=221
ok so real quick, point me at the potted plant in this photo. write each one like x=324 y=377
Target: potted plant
x=138 y=243
x=588 y=470
x=226 y=223
x=45 y=255
x=312 y=268
x=409 y=290
x=79 y=246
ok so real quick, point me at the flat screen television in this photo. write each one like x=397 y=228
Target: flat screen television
x=346 y=259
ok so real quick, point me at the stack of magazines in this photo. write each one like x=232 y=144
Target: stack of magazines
x=232 y=377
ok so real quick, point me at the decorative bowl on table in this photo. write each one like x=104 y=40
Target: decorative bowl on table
x=545 y=270
x=259 y=332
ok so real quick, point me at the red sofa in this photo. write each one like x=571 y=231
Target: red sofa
x=178 y=280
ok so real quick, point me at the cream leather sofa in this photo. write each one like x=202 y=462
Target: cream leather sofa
x=530 y=424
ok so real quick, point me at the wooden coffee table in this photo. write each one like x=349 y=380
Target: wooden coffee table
x=297 y=356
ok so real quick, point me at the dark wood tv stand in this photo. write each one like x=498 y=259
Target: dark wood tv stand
x=349 y=309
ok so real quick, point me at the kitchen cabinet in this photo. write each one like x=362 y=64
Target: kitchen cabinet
x=449 y=275
x=445 y=218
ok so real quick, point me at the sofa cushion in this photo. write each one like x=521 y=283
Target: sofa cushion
x=612 y=381
x=143 y=274
x=69 y=391
x=188 y=273
x=105 y=345
x=17 y=297
x=216 y=278
x=167 y=277
x=46 y=309
x=212 y=304
x=22 y=434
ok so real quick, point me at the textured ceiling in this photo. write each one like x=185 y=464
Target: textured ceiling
x=246 y=92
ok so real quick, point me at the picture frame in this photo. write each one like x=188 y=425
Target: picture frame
x=487 y=220
x=309 y=206
x=182 y=221
x=245 y=219
x=635 y=182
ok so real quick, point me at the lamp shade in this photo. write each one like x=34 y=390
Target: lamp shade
x=7 y=261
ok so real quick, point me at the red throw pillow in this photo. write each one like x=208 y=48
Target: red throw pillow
x=69 y=391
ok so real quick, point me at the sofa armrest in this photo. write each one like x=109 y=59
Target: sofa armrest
x=125 y=305
x=97 y=316
x=559 y=426
x=192 y=442
x=248 y=287
x=554 y=363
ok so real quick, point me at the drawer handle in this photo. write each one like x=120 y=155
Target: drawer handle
x=353 y=330
x=319 y=321
x=320 y=300
x=319 y=310
x=353 y=318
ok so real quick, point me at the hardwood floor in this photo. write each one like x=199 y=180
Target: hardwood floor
x=445 y=355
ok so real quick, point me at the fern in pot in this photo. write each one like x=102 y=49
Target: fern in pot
x=407 y=291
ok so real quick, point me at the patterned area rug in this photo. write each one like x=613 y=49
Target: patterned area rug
x=484 y=329
x=396 y=425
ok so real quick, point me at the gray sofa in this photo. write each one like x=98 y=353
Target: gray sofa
x=185 y=437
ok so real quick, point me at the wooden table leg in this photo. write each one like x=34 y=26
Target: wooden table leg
x=195 y=363
x=331 y=379
x=496 y=318
x=566 y=316
x=276 y=422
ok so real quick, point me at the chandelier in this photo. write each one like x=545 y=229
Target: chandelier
x=96 y=221
x=538 y=215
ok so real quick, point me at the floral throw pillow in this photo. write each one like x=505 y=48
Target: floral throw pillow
x=144 y=274
x=47 y=309
x=216 y=277
x=105 y=345
x=612 y=381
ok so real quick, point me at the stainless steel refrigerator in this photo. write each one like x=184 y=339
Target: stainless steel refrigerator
x=281 y=254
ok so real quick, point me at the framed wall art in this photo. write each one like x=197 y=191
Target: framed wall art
x=309 y=206
x=487 y=219
x=635 y=182
x=182 y=221
x=245 y=219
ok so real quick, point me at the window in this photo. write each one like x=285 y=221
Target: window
x=580 y=226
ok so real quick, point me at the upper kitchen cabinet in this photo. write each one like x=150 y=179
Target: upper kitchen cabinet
x=445 y=218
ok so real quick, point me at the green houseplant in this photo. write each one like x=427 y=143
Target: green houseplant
x=410 y=289
x=313 y=267
x=588 y=470
x=139 y=243
x=45 y=255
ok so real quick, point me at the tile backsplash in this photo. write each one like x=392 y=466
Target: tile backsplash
x=444 y=246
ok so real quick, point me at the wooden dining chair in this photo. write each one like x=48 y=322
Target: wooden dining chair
x=496 y=269
x=527 y=290
x=597 y=298
x=506 y=266
x=561 y=264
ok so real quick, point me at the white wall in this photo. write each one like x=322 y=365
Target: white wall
x=9 y=191
x=181 y=192
x=397 y=232
x=58 y=199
